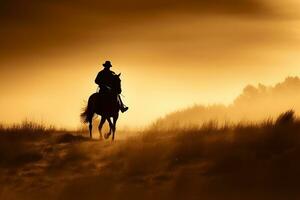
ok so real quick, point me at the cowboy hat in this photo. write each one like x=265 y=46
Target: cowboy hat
x=107 y=64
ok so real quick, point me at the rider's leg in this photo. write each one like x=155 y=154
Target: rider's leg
x=123 y=108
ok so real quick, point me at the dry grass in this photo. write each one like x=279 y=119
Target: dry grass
x=29 y=128
x=241 y=161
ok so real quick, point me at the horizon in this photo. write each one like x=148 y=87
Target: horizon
x=186 y=108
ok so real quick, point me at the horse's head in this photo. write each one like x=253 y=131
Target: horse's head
x=117 y=83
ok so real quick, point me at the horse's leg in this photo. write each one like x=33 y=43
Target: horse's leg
x=90 y=128
x=115 y=118
x=102 y=121
x=110 y=128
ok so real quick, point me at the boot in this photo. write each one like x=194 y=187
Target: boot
x=123 y=108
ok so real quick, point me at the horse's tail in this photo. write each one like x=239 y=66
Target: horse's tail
x=88 y=113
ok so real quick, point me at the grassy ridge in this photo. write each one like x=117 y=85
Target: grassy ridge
x=242 y=161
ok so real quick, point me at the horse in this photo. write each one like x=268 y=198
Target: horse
x=106 y=105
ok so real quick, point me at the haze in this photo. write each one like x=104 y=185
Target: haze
x=171 y=54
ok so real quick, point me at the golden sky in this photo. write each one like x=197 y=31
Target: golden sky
x=171 y=54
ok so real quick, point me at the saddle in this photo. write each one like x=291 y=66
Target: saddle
x=106 y=97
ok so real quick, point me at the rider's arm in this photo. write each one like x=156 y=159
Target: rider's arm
x=98 y=79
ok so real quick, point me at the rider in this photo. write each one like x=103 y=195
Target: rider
x=103 y=80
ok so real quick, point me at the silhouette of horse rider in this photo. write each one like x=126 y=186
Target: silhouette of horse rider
x=104 y=80
x=107 y=102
